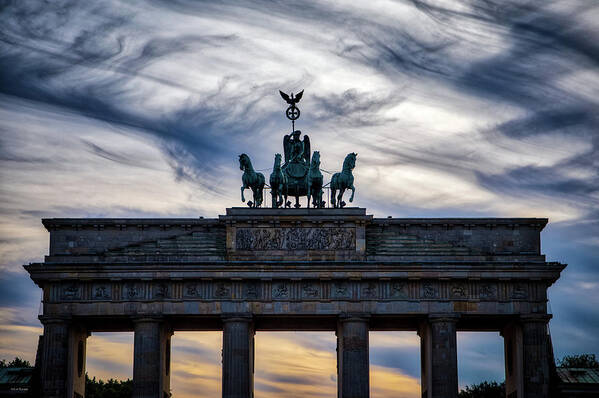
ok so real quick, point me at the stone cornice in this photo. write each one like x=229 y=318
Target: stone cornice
x=535 y=271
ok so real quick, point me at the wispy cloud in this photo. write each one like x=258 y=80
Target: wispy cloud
x=112 y=108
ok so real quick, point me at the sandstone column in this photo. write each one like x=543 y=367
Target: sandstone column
x=424 y=331
x=439 y=357
x=512 y=343
x=535 y=355
x=76 y=363
x=238 y=357
x=352 y=357
x=55 y=357
x=151 y=378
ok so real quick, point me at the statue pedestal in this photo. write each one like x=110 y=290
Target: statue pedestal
x=296 y=234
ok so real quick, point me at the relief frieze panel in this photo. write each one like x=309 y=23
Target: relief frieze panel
x=429 y=291
x=310 y=291
x=519 y=291
x=192 y=290
x=70 y=291
x=487 y=291
x=101 y=291
x=295 y=238
x=399 y=290
x=222 y=290
x=280 y=291
x=369 y=290
x=132 y=291
x=458 y=290
x=161 y=291
x=296 y=290
x=252 y=291
x=341 y=290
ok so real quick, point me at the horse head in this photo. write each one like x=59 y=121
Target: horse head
x=315 y=160
x=350 y=161
x=244 y=160
x=277 y=161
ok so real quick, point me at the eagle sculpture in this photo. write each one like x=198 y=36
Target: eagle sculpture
x=292 y=100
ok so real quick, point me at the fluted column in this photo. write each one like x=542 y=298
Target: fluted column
x=439 y=357
x=151 y=356
x=535 y=350
x=353 y=372
x=55 y=357
x=238 y=357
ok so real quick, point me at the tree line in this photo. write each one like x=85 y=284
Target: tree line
x=124 y=388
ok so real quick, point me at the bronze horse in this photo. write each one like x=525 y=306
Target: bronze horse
x=315 y=182
x=251 y=179
x=343 y=180
x=278 y=181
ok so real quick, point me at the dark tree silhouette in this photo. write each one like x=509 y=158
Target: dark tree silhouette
x=484 y=390
x=579 y=361
x=15 y=363
x=108 y=389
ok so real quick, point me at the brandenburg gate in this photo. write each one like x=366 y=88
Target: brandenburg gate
x=322 y=269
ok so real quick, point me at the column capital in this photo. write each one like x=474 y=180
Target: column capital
x=55 y=319
x=543 y=318
x=354 y=317
x=433 y=318
x=147 y=319
x=237 y=317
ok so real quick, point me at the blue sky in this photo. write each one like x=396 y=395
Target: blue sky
x=140 y=108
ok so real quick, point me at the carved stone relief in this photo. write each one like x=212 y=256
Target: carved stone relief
x=222 y=290
x=192 y=289
x=161 y=291
x=341 y=290
x=310 y=290
x=132 y=291
x=399 y=290
x=430 y=291
x=369 y=290
x=458 y=290
x=252 y=290
x=520 y=291
x=295 y=238
x=101 y=292
x=288 y=290
x=71 y=292
x=488 y=291
x=280 y=291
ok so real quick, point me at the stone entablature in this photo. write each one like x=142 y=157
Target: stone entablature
x=296 y=290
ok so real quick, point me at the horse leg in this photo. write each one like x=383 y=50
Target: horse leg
x=353 y=191
x=297 y=204
x=273 y=196
x=340 y=197
x=333 y=192
x=308 y=196
x=255 y=195
x=260 y=193
x=242 y=189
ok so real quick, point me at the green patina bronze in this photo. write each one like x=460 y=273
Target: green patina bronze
x=343 y=180
x=300 y=174
x=252 y=180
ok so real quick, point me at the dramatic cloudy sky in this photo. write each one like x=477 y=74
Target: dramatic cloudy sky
x=456 y=108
